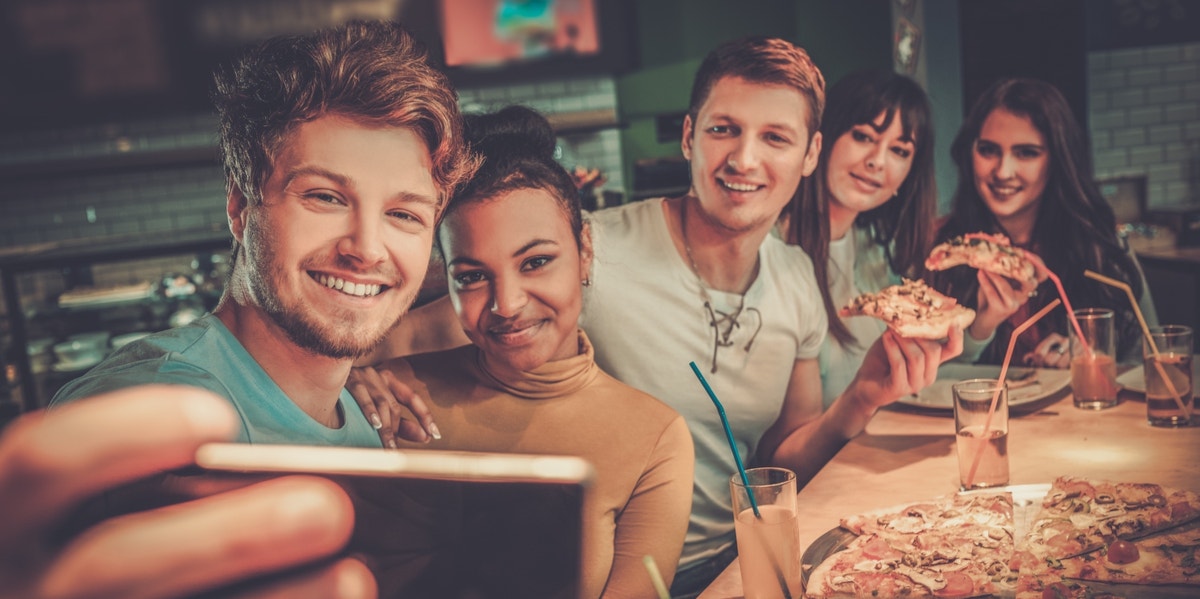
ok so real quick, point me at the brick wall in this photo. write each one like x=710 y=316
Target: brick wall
x=1144 y=116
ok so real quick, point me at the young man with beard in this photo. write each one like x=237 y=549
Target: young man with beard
x=340 y=150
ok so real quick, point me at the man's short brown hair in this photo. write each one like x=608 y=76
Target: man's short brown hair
x=763 y=60
x=372 y=72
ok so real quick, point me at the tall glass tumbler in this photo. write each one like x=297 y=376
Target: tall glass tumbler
x=982 y=454
x=1093 y=360
x=1169 y=404
x=768 y=543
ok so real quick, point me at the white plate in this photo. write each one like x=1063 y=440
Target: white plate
x=1134 y=379
x=1046 y=382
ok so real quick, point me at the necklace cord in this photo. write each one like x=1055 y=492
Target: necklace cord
x=720 y=338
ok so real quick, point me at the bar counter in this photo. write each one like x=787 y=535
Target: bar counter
x=907 y=455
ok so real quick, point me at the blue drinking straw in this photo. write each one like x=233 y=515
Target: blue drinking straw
x=729 y=435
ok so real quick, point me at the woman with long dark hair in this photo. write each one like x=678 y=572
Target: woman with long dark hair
x=865 y=216
x=1025 y=171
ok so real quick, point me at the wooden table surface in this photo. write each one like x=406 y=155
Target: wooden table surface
x=907 y=455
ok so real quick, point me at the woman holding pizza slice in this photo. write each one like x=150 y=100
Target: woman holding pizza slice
x=1025 y=172
x=865 y=215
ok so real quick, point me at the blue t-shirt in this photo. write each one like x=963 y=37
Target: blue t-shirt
x=205 y=354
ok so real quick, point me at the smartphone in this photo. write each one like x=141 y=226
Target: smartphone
x=445 y=524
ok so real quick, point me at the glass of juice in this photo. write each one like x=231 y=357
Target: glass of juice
x=1093 y=360
x=769 y=541
x=981 y=433
x=1169 y=395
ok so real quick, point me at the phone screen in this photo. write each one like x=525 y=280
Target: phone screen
x=446 y=524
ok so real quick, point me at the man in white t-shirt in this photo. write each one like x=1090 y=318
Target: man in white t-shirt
x=699 y=278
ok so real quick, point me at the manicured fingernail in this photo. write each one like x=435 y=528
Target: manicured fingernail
x=376 y=422
x=433 y=430
x=391 y=443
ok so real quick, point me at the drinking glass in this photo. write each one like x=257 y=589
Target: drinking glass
x=1093 y=360
x=1173 y=404
x=981 y=433
x=769 y=542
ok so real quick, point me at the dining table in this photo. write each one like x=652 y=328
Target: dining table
x=907 y=454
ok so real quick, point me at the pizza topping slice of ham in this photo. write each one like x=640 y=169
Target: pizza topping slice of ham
x=912 y=309
x=984 y=251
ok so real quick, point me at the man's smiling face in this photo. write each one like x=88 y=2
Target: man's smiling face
x=336 y=250
x=749 y=147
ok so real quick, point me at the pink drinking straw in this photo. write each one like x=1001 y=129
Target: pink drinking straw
x=1012 y=343
x=1087 y=349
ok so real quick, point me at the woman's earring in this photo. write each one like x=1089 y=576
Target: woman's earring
x=587 y=282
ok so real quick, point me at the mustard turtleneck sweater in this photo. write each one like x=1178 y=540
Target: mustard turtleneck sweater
x=640 y=448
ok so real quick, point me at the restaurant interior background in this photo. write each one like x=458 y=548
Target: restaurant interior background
x=113 y=199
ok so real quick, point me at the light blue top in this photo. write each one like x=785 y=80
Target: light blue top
x=205 y=354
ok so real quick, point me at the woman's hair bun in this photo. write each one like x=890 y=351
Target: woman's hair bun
x=514 y=131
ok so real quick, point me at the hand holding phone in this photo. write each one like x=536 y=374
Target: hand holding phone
x=50 y=461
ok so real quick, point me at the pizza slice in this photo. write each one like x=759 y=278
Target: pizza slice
x=1167 y=558
x=912 y=309
x=989 y=252
x=1082 y=515
x=1084 y=527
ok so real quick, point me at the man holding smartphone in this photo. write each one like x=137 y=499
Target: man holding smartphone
x=340 y=149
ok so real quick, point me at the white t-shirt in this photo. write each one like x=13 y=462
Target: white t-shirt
x=856 y=265
x=645 y=315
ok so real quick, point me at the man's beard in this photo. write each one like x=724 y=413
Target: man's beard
x=301 y=328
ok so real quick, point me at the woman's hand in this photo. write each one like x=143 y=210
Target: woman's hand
x=50 y=461
x=996 y=301
x=896 y=366
x=381 y=395
x=1052 y=352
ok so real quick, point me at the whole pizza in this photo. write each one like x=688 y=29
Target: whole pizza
x=966 y=545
